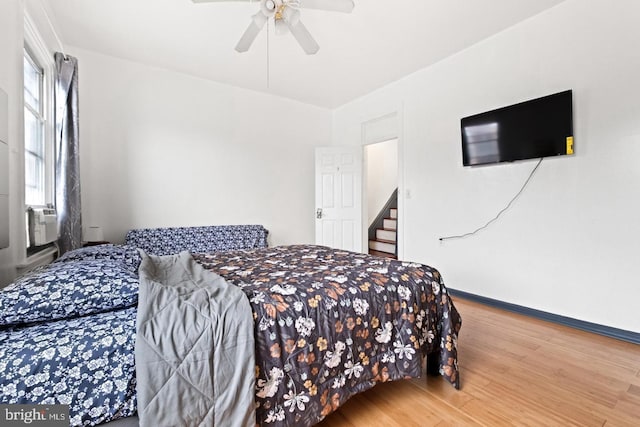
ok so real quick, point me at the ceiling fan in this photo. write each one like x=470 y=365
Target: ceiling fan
x=286 y=16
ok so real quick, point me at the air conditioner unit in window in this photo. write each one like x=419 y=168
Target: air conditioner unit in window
x=43 y=226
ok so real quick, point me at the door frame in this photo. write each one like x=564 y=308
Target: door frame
x=379 y=129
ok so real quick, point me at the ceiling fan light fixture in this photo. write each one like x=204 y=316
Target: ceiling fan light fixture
x=281 y=27
x=292 y=16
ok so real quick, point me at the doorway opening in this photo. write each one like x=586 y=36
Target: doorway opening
x=381 y=195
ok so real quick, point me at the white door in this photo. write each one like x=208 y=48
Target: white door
x=339 y=197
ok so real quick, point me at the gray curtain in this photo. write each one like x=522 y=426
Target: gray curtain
x=67 y=165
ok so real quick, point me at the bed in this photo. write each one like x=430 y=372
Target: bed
x=327 y=324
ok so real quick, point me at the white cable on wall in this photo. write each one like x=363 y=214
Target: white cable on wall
x=495 y=218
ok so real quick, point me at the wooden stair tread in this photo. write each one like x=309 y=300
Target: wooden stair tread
x=381 y=254
x=392 y=242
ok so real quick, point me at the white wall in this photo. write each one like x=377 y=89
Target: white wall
x=11 y=31
x=382 y=175
x=160 y=148
x=571 y=243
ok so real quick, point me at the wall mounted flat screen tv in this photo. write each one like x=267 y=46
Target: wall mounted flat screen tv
x=540 y=127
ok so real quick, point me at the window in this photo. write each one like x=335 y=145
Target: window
x=35 y=156
x=38 y=134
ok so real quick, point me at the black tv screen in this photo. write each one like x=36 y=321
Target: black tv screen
x=540 y=127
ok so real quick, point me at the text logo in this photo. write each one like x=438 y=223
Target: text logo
x=34 y=415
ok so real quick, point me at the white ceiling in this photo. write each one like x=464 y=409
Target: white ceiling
x=380 y=42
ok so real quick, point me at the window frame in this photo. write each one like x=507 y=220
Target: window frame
x=38 y=114
x=35 y=51
x=35 y=46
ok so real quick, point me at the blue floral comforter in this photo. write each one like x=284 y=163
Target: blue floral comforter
x=67 y=335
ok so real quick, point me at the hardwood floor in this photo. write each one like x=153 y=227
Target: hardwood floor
x=514 y=370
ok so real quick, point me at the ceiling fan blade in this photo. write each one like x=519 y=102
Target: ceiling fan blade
x=257 y=23
x=303 y=37
x=345 y=6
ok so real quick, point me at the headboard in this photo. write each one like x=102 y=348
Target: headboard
x=213 y=238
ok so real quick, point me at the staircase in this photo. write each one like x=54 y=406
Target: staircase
x=386 y=238
x=383 y=239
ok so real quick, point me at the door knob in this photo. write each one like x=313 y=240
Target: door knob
x=319 y=213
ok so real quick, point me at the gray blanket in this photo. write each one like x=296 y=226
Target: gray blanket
x=194 y=347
